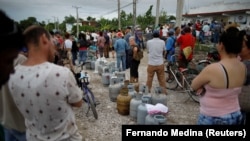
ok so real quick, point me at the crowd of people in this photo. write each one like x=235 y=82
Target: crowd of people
x=37 y=92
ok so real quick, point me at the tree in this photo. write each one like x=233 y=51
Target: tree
x=104 y=24
x=147 y=19
x=89 y=18
x=28 y=22
x=163 y=17
x=69 y=19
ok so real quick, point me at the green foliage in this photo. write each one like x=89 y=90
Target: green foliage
x=28 y=22
x=69 y=19
x=89 y=18
x=50 y=26
x=143 y=21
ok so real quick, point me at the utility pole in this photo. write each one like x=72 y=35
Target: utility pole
x=58 y=24
x=47 y=26
x=157 y=13
x=77 y=20
x=134 y=15
x=119 y=15
x=54 y=22
x=179 y=11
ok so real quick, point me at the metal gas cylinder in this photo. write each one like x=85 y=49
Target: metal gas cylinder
x=100 y=67
x=106 y=78
x=92 y=67
x=142 y=111
x=161 y=119
x=131 y=90
x=149 y=120
x=134 y=103
x=114 y=88
x=88 y=65
x=123 y=101
x=112 y=67
x=159 y=97
x=97 y=63
x=144 y=89
x=120 y=74
x=156 y=119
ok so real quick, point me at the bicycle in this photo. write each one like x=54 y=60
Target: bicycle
x=182 y=77
x=88 y=96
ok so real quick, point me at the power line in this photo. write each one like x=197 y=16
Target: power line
x=110 y=12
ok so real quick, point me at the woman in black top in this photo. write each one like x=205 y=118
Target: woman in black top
x=74 y=51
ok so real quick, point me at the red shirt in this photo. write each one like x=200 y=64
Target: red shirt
x=198 y=26
x=186 y=40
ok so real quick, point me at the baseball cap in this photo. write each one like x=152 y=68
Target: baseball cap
x=171 y=32
x=156 y=33
x=119 y=34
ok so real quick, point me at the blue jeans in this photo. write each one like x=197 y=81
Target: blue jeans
x=121 y=57
x=170 y=53
x=14 y=135
x=82 y=56
x=216 y=37
x=74 y=57
x=234 y=118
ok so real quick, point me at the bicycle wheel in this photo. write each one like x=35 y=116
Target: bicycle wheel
x=91 y=103
x=202 y=64
x=170 y=80
x=191 y=93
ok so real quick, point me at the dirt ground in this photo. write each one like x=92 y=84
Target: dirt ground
x=182 y=110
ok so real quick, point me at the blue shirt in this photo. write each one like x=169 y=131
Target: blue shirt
x=121 y=45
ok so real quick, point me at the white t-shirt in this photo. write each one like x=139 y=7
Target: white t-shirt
x=156 y=47
x=165 y=32
x=68 y=43
x=95 y=36
x=43 y=94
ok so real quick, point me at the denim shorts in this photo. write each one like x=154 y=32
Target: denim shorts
x=234 y=118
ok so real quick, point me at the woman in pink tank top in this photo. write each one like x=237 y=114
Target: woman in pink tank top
x=222 y=82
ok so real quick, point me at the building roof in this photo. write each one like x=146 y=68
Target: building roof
x=220 y=8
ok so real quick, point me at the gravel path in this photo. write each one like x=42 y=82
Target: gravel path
x=107 y=127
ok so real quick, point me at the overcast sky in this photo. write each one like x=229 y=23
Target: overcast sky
x=48 y=10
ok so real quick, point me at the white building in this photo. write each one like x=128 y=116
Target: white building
x=238 y=12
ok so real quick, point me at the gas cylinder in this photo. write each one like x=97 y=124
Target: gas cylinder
x=123 y=101
x=88 y=65
x=142 y=111
x=97 y=63
x=100 y=67
x=156 y=119
x=92 y=65
x=144 y=89
x=114 y=88
x=120 y=74
x=149 y=120
x=111 y=64
x=131 y=90
x=159 y=97
x=134 y=103
x=161 y=119
x=106 y=79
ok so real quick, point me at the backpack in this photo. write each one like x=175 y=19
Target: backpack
x=139 y=54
